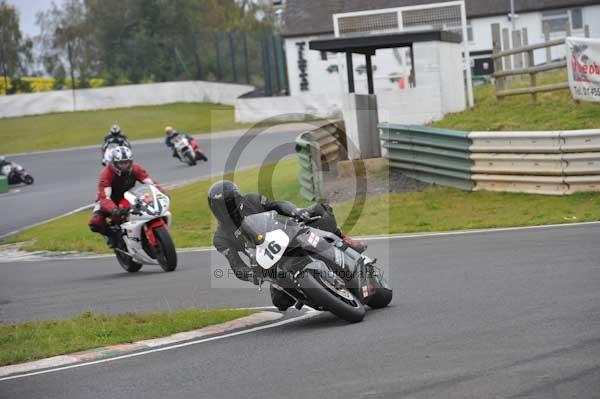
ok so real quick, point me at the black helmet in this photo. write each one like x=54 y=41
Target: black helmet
x=225 y=200
x=115 y=130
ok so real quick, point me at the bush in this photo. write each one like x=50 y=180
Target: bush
x=18 y=85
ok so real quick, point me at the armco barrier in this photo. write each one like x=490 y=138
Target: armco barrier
x=555 y=163
x=3 y=184
x=438 y=156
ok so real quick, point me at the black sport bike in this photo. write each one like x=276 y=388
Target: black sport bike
x=313 y=267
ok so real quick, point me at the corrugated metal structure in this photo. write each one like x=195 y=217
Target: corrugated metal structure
x=318 y=150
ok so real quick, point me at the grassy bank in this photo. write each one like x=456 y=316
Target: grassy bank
x=72 y=129
x=435 y=209
x=553 y=111
x=21 y=342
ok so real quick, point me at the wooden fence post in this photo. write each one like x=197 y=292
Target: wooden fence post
x=530 y=64
x=506 y=46
x=586 y=31
x=548 y=49
x=516 y=43
x=497 y=47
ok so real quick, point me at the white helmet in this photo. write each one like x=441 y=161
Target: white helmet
x=121 y=160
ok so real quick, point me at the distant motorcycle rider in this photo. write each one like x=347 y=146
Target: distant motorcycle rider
x=4 y=162
x=171 y=133
x=119 y=176
x=229 y=207
x=7 y=168
x=115 y=136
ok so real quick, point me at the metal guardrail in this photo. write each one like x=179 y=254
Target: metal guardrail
x=438 y=156
x=3 y=184
x=318 y=150
x=560 y=162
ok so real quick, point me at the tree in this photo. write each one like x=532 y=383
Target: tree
x=15 y=51
x=66 y=39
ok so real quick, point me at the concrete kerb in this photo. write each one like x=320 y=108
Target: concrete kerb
x=256 y=319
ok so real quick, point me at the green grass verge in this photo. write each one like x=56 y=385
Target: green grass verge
x=72 y=129
x=435 y=209
x=447 y=209
x=553 y=110
x=21 y=342
x=193 y=223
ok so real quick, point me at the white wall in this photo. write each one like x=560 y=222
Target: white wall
x=439 y=87
x=120 y=97
x=300 y=107
x=386 y=64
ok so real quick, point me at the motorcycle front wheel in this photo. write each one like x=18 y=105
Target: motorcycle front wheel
x=28 y=179
x=126 y=262
x=340 y=302
x=190 y=158
x=166 y=254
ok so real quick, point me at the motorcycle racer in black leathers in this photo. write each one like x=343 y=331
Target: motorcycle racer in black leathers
x=229 y=207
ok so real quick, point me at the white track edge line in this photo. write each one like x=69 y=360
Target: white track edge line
x=307 y=315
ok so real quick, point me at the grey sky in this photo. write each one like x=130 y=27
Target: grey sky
x=27 y=10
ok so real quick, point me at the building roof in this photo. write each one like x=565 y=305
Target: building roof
x=368 y=44
x=314 y=17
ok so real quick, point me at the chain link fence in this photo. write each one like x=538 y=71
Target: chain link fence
x=251 y=58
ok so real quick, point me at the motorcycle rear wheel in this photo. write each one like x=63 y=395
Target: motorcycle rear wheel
x=166 y=254
x=322 y=293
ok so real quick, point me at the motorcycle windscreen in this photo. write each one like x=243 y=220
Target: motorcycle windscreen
x=151 y=201
x=255 y=227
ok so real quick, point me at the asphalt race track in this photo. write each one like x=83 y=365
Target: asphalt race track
x=513 y=314
x=67 y=180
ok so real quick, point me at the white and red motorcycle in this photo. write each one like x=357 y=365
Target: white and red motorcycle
x=144 y=237
x=184 y=150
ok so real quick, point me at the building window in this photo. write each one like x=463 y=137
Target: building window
x=576 y=18
x=555 y=21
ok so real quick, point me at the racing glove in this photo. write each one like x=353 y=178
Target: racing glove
x=303 y=215
x=120 y=213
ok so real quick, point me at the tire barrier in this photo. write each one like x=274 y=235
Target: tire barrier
x=553 y=163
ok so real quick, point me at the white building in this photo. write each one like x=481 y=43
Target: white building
x=314 y=73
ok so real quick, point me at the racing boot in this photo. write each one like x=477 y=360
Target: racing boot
x=281 y=300
x=112 y=238
x=201 y=157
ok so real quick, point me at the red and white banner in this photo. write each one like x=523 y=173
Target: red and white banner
x=583 y=65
